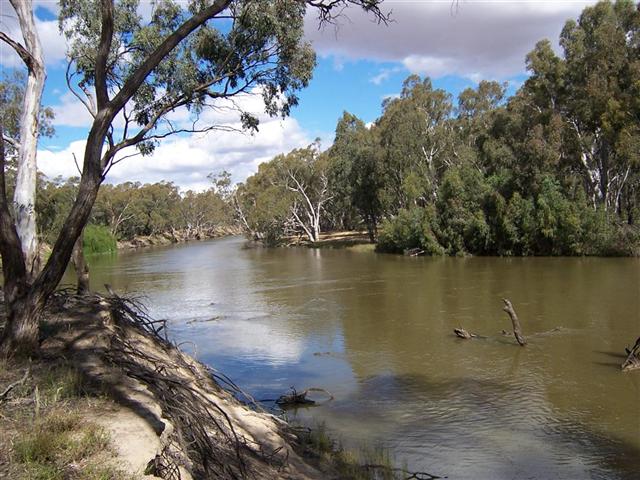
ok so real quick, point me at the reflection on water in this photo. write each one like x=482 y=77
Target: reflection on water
x=376 y=331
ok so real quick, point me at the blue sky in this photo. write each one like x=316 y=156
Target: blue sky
x=359 y=64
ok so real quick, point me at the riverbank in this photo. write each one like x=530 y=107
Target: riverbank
x=360 y=241
x=110 y=398
x=351 y=239
x=177 y=236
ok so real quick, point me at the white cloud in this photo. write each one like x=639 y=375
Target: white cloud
x=70 y=112
x=186 y=160
x=384 y=75
x=54 y=45
x=478 y=39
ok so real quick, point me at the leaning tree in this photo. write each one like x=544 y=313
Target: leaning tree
x=133 y=68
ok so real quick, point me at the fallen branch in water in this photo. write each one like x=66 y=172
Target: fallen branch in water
x=410 y=475
x=462 y=333
x=633 y=357
x=294 y=398
x=517 y=331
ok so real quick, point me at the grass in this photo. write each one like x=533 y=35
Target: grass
x=43 y=433
x=365 y=463
x=60 y=446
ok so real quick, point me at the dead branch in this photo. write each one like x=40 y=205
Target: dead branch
x=462 y=333
x=5 y=394
x=295 y=398
x=406 y=474
x=517 y=331
x=633 y=359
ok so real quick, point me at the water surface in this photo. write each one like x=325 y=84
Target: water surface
x=376 y=330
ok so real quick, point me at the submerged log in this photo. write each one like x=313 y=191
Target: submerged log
x=462 y=333
x=295 y=398
x=517 y=331
x=633 y=359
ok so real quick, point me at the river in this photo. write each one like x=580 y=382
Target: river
x=376 y=331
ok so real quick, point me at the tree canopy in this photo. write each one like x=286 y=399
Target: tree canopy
x=552 y=170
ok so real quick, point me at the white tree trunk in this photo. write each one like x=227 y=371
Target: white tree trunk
x=25 y=193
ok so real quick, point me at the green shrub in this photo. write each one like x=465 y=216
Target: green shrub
x=98 y=239
x=461 y=226
x=409 y=229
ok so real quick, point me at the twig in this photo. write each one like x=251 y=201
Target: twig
x=5 y=394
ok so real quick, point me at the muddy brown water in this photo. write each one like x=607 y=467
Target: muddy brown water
x=376 y=331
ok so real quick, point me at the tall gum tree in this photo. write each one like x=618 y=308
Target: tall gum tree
x=202 y=54
x=26 y=174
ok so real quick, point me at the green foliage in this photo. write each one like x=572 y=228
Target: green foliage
x=287 y=196
x=461 y=226
x=11 y=99
x=262 y=48
x=98 y=239
x=130 y=209
x=553 y=170
x=53 y=203
x=409 y=229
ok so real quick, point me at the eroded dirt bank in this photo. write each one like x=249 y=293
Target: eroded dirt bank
x=165 y=414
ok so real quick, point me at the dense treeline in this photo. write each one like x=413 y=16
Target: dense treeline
x=130 y=209
x=552 y=170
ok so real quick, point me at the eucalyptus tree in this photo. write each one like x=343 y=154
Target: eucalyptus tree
x=415 y=138
x=263 y=205
x=136 y=71
x=357 y=174
x=602 y=88
x=474 y=116
x=22 y=229
x=304 y=172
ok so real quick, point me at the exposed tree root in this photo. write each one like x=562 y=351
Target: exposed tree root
x=206 y=432
x=201 y=435
x=203 y=429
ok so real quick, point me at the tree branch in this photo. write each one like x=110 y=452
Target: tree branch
x=24 y=54
x=106 y=37
x=137 y=78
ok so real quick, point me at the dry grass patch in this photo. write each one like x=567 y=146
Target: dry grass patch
x=43 y=434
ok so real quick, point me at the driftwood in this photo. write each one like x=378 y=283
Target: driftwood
x=414 y=252
x=462 y=333
x=391 y=472
x=633 y=357
x=517 y=331
x=5 y=394
x=295 y=398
